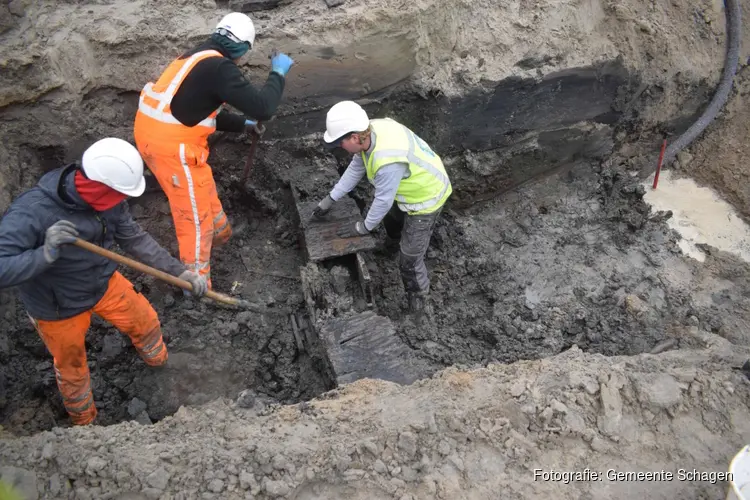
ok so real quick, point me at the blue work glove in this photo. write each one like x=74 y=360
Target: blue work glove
x=280 y=63
x=352 y=230
x=252 y=126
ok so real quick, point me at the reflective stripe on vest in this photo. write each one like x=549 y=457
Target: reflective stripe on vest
x=378 y=156
x=157 y=105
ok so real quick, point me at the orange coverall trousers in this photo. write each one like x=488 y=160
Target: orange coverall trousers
x=130 y=312
x=186 y=178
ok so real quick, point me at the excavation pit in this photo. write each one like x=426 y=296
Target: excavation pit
x=549 y=115
x=542 y=247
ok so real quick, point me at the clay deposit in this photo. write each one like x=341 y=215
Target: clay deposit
x=701 y=217
x=567 y=328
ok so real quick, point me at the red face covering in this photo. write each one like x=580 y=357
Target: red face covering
x=100 y=196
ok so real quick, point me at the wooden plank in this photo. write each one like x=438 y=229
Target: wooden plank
x=320 y=237
x=308 y=331
x=365 y=345
x=256 y=5
x=309 y=274
x=297 y=333
x=365 y=281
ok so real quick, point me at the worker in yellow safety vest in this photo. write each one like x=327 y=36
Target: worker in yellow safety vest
x=404 y=169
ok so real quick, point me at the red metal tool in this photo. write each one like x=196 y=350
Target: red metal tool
x=661 y=159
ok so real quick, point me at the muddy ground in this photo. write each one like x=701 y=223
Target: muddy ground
x=548 y=115
x=213 y=351
x=572 y=258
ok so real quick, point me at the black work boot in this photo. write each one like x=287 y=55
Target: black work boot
x=391 y=246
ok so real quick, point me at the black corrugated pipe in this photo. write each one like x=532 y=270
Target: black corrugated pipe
x=731 y=60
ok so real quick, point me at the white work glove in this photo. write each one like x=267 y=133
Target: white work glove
x=323 y=207
x=200 y=285
x=59 y=233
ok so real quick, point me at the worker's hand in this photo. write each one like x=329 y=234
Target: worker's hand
x=280 y=63
x=59 y=233
x=352 y=230
x=200 y=286
x=251 y=126
x=323 y=207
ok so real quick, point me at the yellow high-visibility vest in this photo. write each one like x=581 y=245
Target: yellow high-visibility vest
x=428 y=187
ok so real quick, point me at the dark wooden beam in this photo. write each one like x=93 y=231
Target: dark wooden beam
x=365 y=345
x=256 y=5
x=320 y=236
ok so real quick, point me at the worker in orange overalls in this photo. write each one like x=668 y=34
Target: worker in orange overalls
x=62 y=286
x=177 y=114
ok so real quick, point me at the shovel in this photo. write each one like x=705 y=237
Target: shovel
x=172 y=280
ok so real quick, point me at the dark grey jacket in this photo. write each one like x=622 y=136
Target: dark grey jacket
x=78 y=279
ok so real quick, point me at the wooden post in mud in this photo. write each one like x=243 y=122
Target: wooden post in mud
x=658 y=166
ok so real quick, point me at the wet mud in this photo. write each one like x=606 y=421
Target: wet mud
x=214 y=351
x=546 y=244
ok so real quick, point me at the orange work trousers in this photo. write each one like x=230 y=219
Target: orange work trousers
x=199 y=219
x=128 y=311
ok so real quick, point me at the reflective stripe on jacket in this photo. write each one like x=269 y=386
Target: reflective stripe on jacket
x=154 y=116
x=428 y=187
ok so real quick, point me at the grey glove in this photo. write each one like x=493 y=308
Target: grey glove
x=323 y=207
x=352 y=230
x=200 y=285
x=59 y=233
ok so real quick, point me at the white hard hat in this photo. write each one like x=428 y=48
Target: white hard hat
x=117 y=164
x=237 y=26
x=344 y=118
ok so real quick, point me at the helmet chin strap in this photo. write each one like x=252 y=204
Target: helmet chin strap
x=225 y=32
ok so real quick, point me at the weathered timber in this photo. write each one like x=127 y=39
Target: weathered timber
x=320 y=236
x=256 y=5
x=298 y=338
x=365 y=281
x=365 y=345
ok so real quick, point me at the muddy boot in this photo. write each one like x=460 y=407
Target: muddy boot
x=420 y=309
x=418 y=302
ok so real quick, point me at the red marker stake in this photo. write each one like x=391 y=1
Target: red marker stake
x=661 y=159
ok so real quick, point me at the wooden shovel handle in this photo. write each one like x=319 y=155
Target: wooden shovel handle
x=138 y=266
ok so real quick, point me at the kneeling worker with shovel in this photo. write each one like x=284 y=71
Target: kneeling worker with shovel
x=62 y=285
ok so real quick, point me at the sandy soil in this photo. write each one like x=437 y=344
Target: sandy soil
x=719 y=160
x=461 y=435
